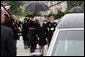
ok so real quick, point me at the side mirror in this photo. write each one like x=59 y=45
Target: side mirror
x=36 y=54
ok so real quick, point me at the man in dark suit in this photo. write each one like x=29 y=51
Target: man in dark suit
x=8 y=46
x=51 y=25
x=32 y=32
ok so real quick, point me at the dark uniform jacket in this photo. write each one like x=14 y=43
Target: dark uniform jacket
x=8 y=46
x=32 y=32
x=51 y=28
x=25 y=29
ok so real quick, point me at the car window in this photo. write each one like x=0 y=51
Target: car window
x=69 y=43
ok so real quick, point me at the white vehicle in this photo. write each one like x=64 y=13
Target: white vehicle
x=68 y=38
x=57 y=21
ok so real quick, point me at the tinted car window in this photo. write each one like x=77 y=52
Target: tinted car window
x=69 y=43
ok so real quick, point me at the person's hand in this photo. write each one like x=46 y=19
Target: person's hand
x=47 y=40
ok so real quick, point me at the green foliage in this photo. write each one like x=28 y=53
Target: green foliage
x=71 y=4
x=59 y=15
x=15 y=8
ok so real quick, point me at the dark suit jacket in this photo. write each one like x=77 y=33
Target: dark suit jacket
x=8 y=46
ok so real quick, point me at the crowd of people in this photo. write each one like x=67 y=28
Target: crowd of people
x=33 y=32
x=37 y=32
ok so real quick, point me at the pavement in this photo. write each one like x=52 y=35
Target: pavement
x=26 y=52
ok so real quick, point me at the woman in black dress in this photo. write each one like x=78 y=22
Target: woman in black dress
x=42 y=31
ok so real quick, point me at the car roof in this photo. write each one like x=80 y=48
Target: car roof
x=72 y=20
